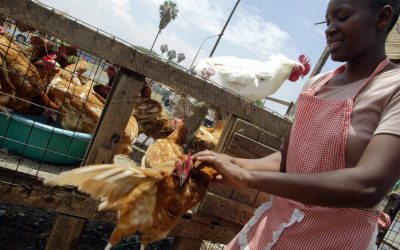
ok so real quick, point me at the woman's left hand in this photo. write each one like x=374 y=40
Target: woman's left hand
x=230 y=173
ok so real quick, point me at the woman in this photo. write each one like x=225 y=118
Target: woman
x=342 y=156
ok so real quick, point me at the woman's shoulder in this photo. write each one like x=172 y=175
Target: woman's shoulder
x=389 y=79
x=312 y=81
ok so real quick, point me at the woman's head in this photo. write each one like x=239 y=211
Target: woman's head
x=358 y=28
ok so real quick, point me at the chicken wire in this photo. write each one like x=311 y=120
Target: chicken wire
x=389 y=239
x=25 y=105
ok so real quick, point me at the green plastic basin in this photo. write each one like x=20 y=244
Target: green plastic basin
x=32 y=138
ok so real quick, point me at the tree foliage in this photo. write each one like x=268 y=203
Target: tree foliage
x=168 y=12
x=181 y=57
x=164 y=48
x=171 y=54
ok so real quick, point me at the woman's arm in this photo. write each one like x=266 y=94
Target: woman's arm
x=362 y=186
x=269 y=163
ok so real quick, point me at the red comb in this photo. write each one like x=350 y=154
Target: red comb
x=188 y=163
x=305 y=61
x=49 y=57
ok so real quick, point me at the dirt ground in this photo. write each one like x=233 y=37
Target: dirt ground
x=25 y=228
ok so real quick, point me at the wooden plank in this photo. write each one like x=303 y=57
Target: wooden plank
x=208 y=219
x=227 y=209
x=27 y=190
x=115 y=116
x=247 y=129
x=66 y=233
x=226 y=134
x=125 y=55
x=238 y=145
x=270 y=140
x=261 y=198
x=221 y=190
x=258 y=134
x=243 y=147
x=245 y=195
x=181 y=243
x=214 y=233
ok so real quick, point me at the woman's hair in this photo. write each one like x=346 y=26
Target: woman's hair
x=395 y=4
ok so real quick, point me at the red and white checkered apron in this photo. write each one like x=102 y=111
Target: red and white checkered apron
x=317 y=144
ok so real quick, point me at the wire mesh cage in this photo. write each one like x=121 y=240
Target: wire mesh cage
x=52 y=95
x=389 y=238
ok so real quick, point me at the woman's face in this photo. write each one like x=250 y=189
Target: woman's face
x=351 y=29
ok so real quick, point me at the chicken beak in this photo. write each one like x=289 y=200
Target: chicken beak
x=182 y=179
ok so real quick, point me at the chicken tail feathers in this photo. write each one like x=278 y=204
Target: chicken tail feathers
x=109 y=182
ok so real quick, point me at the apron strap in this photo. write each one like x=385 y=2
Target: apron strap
x=378 y=70
x=324 y=80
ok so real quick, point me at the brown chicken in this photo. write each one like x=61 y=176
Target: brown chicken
x=146 y=200
x=150 y=117
x=28 y=85
x=81 y=109
x=207 y=138
x=164 y=152
x=7 y=89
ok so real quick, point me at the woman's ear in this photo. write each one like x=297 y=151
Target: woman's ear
x=385 y=17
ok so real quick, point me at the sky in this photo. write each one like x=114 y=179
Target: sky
x=257 y=30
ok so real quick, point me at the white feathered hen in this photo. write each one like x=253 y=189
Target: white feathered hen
x=253 y=79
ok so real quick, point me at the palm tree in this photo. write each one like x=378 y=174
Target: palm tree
x=168 y=12
x=171 y=54
x=163 y=48
x=180 y=57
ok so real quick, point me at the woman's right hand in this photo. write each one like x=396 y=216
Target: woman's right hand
x=230 y=173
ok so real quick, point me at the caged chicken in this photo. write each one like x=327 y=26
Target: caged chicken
x=253 y=79
x=81 y=108
x=164 y=152
x=146 y=200
x=149 y=115
x=21 y=81
x=207 y=138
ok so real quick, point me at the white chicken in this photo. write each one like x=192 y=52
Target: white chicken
x=253 y=79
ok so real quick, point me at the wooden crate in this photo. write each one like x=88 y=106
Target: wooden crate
x=244 y=140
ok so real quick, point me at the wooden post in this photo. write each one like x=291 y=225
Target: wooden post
x=112 y=124
x=68 y=238
x=115 y=116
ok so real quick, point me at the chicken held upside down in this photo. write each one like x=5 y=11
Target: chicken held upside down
x=146 y=200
